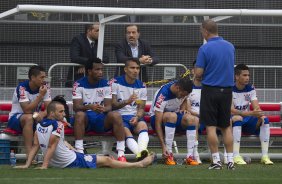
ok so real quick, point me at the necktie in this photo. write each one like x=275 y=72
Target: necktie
x=92 y=45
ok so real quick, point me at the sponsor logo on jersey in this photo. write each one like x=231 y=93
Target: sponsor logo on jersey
x=160 y=100
x=22 y=92
x=75 y=86
x=100 y=93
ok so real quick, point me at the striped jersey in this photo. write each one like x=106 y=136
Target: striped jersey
x=23 y=93
x=123 y=90
x=165 y=101
x=91 y=94
x=242 y=98
x=62 y=156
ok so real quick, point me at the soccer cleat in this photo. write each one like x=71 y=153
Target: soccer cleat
x=191 y=161
x=197 y=158
x=143 y=154
x=170 y=160
x=230 y=166
x=266 y=161
x=215 y=166
x=239 y=160
x=122 y=159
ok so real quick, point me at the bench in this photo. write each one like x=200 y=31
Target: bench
x=5 y=108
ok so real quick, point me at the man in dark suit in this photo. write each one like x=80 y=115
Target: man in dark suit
x=133 y=47
x=84 y=49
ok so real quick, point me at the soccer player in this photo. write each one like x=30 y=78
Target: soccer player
x=49 y=137
x=166 y=111
x=92 y=103
x=129 y=98
x=244 y=120
x=27 y=100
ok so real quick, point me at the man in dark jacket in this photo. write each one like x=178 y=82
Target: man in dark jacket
x=84 y=49
x=133 y=47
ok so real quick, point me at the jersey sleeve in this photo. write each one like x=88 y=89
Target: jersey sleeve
x=201 y=61
x=76 y=91
x=47 y=96
x=108 y=92
x=253 y=95
x=143 y=94
x=58 y=127
x=22 y=94
x=160 y=103
x=114 y=88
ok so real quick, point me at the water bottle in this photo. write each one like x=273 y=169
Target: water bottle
x=13 y=159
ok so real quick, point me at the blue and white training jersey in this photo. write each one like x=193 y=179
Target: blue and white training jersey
x=123 y=90
x=242 y=98
x=91 y=94
x=165 y=101
x=195 y=98
x=62 y=156
x=23 y=93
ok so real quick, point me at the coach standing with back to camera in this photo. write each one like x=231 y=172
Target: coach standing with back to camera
x=215 y=69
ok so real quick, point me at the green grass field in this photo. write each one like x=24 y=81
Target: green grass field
x=158 y=173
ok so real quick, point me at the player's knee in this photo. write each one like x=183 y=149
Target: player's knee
x=27 y=121
x=170 y=117
x=236 y=118
x=142 y=126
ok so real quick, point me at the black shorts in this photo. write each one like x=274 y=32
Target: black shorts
x=215 y=106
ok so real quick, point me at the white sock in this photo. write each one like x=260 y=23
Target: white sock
x=195 y=150
x=264 y=138
x=143 y=140
x=79 y=146
x=237 y=132
x=169 y=136
x=230 y=157
x=191 y=136
x=120 y=148
x=224 y=154
x=215 y=157
x=132 y=145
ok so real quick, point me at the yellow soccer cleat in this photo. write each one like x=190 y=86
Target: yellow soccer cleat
x=239 y=160
x=170 y=160
x=266 y=161
x=191 y=161
x=143 y=154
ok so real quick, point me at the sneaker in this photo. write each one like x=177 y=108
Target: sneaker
x=170 y=160
x=191 y=161
x=265 y=160
x=230 y=166
x=143 y=154
x=122 y=159
x=197 y=158
x=216 y=166
x=239 y=160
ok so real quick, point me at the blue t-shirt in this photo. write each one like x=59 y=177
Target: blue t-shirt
x=217 y=58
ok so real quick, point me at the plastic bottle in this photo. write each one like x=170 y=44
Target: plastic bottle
x=13 y=159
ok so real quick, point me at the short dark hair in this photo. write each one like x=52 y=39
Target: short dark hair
x=238 y=69
x=89 y=65
x=52 y=107
x=88 y=27
x=130 y=26
x=61 y=99
x=185 y=83
x=35 y=71
x=135 y=60
x=210 y=26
